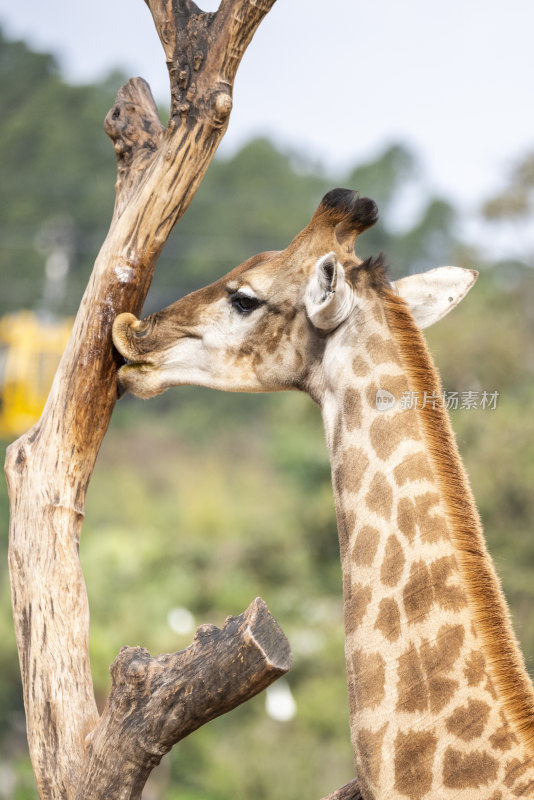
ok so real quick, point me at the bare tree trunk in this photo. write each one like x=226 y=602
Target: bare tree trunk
x=48 y=469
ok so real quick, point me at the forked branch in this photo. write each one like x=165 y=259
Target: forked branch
x=49 y=468
x=203 y=51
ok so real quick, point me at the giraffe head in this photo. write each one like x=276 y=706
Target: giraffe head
x=266 y=325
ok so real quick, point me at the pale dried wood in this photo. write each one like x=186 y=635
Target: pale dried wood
x=134 y=127
x=156 y=702
x=48 y=469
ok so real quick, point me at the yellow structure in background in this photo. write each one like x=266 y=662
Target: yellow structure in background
x=30 y=350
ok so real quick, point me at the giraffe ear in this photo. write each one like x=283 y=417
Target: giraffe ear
x=431 y=295
x=329 y=299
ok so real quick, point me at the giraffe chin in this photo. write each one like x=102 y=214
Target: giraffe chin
x=141 y=380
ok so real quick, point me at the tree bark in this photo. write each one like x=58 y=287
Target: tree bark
x=49 y=468
x=156 y=702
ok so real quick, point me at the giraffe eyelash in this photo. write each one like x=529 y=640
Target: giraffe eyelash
x=245 y=303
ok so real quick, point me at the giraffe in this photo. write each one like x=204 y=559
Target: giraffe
x=441 y=706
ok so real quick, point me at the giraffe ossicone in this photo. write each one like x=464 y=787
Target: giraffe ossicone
x=441 y=706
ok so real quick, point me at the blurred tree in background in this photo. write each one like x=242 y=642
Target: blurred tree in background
x=517 y=197
x=201 y=501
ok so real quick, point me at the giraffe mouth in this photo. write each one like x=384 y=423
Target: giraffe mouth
x=140 y=378
x=142 y=365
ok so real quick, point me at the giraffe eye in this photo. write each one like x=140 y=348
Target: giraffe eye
x=244 y=303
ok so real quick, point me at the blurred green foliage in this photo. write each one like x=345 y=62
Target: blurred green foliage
x=201 y=500
x=516 y=199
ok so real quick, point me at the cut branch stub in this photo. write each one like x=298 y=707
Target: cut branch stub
x=134 y=127
x=202 y=45
x=156 y=702
x=184 y=32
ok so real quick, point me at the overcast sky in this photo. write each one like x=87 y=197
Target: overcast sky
x=338 y=80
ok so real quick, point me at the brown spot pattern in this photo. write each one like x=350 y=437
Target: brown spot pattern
x=380 y=496
x=356 y=601
x=431 y=528
x=504 y=737
x=388 y=619
x=412 y=692
x=417 y=594
x=382 y=350
x=514 y=769
x=429 y=585
x=449 y=596
x=369 y=754
x=383 y=435
x=393 y=563
x=387 y=432
x=441 y=691
x=422 y=682
x=475 y=668
x=414 y=759
x=438 y=659
x=355 y=463
x=524 y=789
x=352 y=408
x=413 y=514
x=468 y=770
x=365 y=546
x=360 y=367
x=468 y=722
x=369 y=670
x=445 y=651
x=408 y=426
x=406 y=520
x=370 y=395
x=396 y=384
x=413 y=468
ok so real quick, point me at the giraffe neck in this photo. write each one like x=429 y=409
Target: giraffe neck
x=433 y=714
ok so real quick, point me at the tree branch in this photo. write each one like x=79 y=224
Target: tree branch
x=134 y=127
x=197 y=43
x=156 y=702
x=238 y=21
x=49 y=468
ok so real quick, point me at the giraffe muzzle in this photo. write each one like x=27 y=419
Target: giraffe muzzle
x=131 y=337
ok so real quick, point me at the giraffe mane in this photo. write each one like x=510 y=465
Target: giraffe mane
x=486 y=598
x=371 y=274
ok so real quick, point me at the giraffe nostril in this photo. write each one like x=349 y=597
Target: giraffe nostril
x=140 y=329
x=127 y=329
